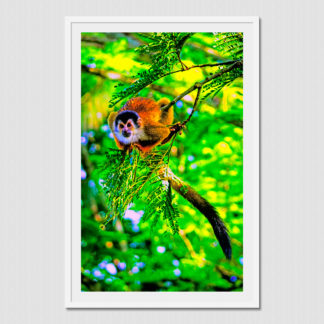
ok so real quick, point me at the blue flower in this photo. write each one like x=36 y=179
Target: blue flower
x=176 y=263
x=233 y=278
x=179 y=104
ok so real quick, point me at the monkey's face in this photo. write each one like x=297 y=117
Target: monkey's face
x=127 y=127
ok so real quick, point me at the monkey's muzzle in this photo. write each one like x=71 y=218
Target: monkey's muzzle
x=126 y=133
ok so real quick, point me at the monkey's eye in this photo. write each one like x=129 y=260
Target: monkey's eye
x=121 y=126
x=129 y=124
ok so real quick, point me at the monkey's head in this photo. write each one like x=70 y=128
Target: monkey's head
x=127 y=127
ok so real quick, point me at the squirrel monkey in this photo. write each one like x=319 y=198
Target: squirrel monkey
x=142 y=123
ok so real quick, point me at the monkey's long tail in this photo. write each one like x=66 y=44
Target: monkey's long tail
x=204 y=207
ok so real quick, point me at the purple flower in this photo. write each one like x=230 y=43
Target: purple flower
x=121 y=265
x=135 y=269
x=83 y=174
x=161 y=249
x=110 y=267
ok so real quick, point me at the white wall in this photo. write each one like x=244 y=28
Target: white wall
x=32 y=174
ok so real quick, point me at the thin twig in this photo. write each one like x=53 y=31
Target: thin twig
x=199 y=66
x=193 y=108
x=176 y=128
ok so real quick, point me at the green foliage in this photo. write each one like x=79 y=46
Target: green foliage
x=128 y=176
x=140 y=253
x=230 y=45
x=160 y=205
x=214 y=86
x=164 y=51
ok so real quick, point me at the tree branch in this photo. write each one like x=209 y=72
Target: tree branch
x=104 y=74
x=200 y=84
x=162 y=89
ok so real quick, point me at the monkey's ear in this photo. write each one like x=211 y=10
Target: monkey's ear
x=140 y=122
x=163 y=102
x=111 y=119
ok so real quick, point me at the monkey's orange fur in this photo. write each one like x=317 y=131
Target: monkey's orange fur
x=152 y=123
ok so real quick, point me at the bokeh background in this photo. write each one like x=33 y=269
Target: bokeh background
x=129 y=256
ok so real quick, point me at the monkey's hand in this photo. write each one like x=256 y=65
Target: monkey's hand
x=174 y=129
x=177 y=128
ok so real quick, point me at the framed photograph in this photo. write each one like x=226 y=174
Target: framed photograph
x=162 y=191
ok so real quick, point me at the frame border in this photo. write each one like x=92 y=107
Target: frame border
x=69 y=303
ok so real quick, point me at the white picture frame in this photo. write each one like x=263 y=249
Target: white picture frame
x=249 y=297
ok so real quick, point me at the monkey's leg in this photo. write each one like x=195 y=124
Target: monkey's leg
x=156 y=133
